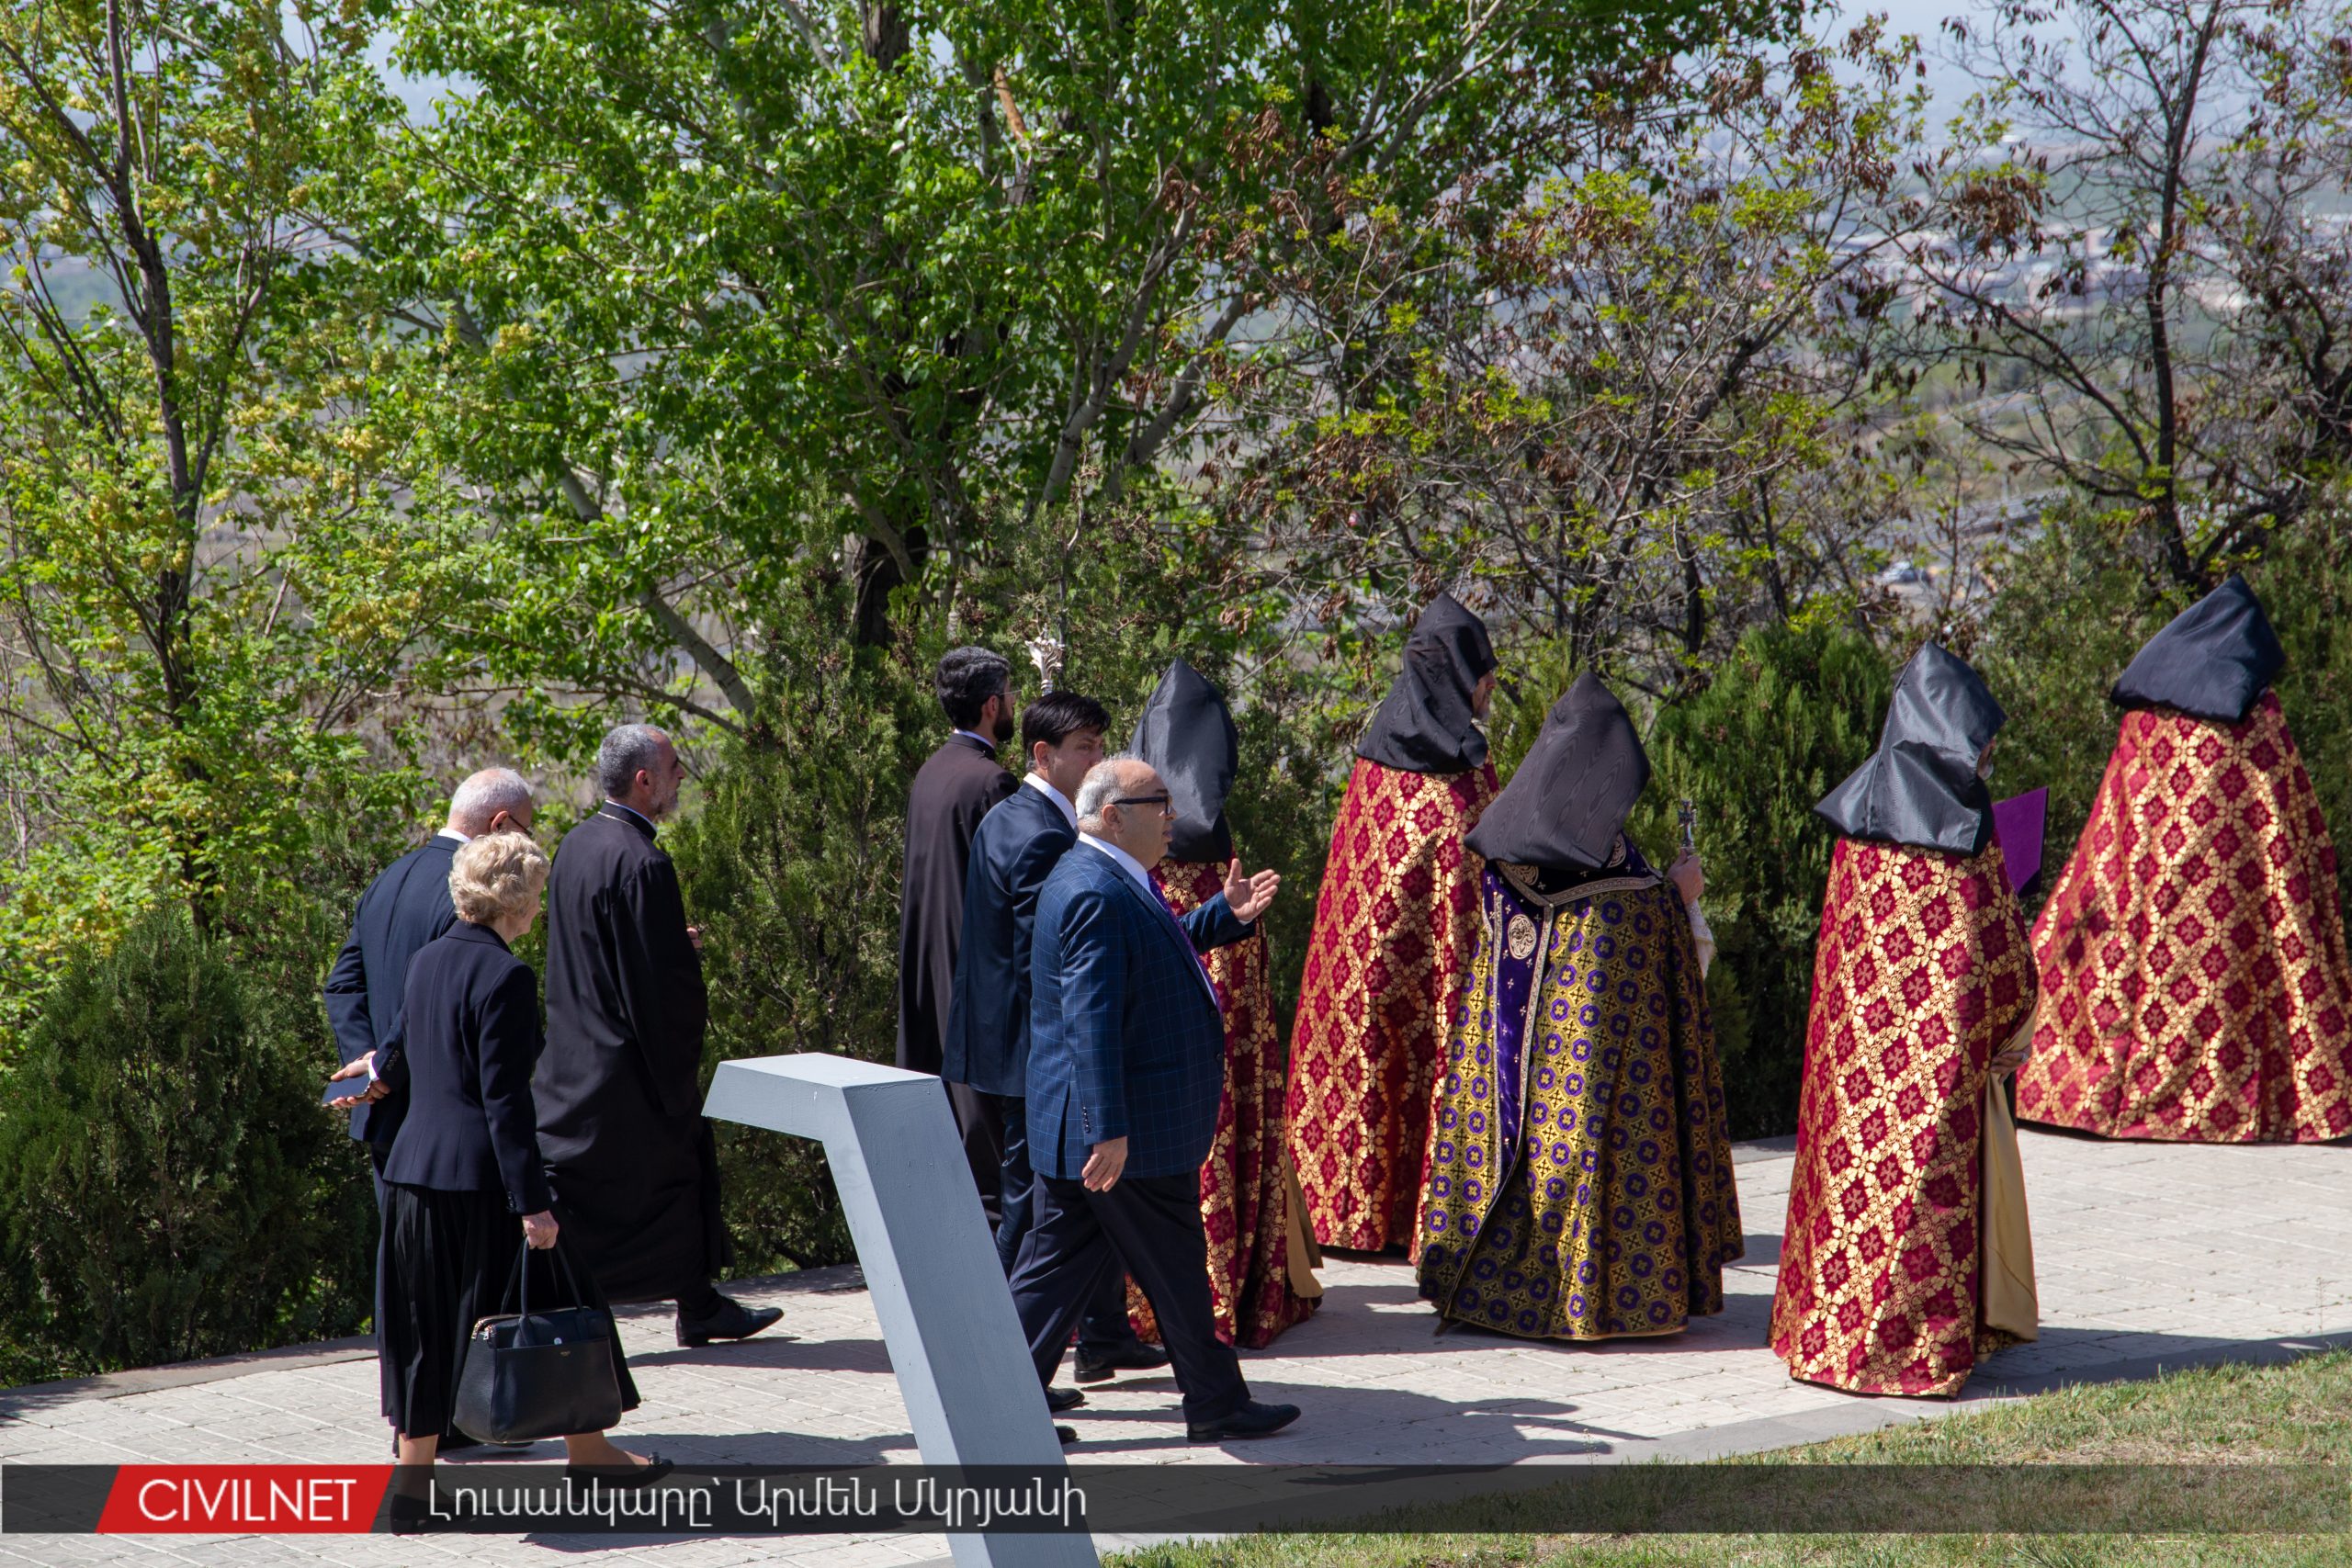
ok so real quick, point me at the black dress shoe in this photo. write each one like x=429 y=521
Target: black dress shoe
x=1068 y=1435
x=730 y=1319
x=654 y=1468
x=1060 y=1398
x=1101 y=1366
x=412 y=1515
x=1252 y=1420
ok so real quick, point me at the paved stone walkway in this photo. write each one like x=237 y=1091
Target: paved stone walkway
x=2149 y=1255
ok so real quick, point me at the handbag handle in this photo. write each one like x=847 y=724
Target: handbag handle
x=522 y=1269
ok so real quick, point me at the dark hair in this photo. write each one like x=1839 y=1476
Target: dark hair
x=968 y=678
x=1055 y=717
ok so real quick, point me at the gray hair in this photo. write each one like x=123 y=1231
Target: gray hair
x=484 y=796
x=629 y=749
x=1102 y=783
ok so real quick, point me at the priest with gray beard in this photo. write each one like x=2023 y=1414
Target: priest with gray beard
x=618 y=1088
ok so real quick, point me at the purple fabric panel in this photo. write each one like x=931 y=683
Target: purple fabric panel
x=2017 y=827
x=1513 y=979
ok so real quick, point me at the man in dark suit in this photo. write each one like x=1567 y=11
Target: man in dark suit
x=406 y=907
x=618 y=1088
x=952 y=790
x=1126 y=1070
x=988 y=1027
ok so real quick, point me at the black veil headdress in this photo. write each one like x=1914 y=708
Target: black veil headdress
x=1186 y=734
x=1920 y=787
x=2214 y=662
x=1566 y=807
x=1427 y=725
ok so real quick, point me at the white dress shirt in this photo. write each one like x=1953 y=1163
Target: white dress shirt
x=1039 y=783
x=976 y=734
x=1124 y=860
x=454 y=835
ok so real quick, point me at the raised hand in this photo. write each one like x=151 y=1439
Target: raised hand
x=1248 y=896
x=1690 y=878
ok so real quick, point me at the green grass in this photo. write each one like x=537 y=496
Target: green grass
x=2300 y=1413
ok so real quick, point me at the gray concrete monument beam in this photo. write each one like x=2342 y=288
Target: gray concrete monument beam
x=929 y=1266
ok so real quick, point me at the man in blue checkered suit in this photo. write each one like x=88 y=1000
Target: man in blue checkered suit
x=1126 y=1055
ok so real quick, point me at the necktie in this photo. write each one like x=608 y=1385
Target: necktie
x=1167 y=912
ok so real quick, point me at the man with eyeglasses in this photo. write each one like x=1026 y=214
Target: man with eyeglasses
x=1126 y=1074
x=406 y=907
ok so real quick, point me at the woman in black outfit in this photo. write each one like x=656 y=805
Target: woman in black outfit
x=464 y=1175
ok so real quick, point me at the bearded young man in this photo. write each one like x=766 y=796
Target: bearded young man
x=957 y=786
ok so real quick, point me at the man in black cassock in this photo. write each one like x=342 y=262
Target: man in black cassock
x=633 y=1164
x=952 y=790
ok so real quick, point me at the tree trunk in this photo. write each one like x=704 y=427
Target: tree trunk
x=879 y=573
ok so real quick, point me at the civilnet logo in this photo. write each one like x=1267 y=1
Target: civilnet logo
x=232 y=1499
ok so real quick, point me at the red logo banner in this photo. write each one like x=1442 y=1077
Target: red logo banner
x=244 y=1499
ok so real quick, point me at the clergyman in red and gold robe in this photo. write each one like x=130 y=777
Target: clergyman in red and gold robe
x=1396 y=924
x=2194 y=982
x=1906 y=1257
x=1262 y=1263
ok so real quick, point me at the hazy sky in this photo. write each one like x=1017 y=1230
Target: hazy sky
x=1923 y=17
x=1926 y=17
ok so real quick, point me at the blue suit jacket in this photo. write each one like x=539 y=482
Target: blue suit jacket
x=1125 y=1039
x=469 y=1039
x=1019 y=843
x=406 y=907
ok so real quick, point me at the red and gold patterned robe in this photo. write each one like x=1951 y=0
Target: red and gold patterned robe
x=1259 y=1256
x=1396 y=924
x=1922 y=973
x=2194 y=982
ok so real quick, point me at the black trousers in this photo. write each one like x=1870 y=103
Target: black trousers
x=1102 y=1325
x=982 y=1126
x=1150 y=1225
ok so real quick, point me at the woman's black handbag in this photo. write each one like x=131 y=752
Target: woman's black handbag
x=539 y=1374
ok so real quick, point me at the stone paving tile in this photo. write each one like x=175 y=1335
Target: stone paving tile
x=2144 y=1253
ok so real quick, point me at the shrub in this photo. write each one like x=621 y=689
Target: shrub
x=2072 y=610
x=170 y=1188
x=790 y=864
x=1793 y=710
x=2075 y=607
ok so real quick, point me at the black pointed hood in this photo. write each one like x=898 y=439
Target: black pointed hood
x=1186 y=734
x=1920 y=787
x=1566 y=804
x=1427 y=725
x=2214 y=662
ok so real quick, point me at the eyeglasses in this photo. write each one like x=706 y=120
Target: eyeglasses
x=1167 y=808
